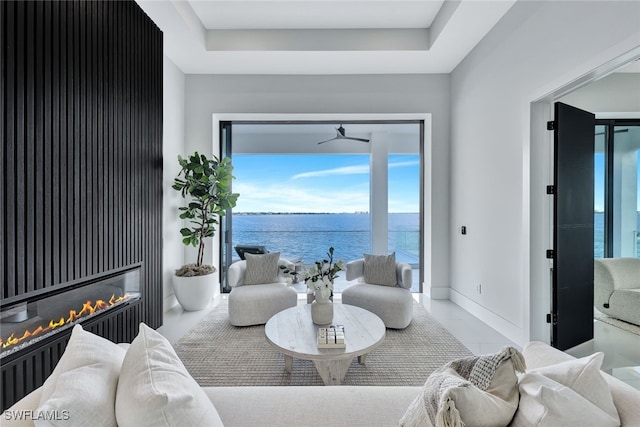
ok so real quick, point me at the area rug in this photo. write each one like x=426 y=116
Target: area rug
x=630 y=327
x=218 y=354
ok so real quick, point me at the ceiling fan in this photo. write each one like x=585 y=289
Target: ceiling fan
x=340 y=134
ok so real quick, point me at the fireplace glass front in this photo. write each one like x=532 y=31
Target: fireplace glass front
x=25 y=323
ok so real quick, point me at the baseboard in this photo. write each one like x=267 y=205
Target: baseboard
x=436 y=292
x=503 y=326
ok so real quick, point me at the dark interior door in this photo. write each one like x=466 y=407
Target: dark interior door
x=572 y=291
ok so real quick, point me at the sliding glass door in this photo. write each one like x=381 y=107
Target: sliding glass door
x=617 y=189
x=305 y=187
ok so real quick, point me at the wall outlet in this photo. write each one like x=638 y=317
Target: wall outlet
x=479 y=288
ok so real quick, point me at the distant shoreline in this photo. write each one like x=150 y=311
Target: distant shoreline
x=314 y=213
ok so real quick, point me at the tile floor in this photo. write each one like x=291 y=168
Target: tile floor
x=621 y=348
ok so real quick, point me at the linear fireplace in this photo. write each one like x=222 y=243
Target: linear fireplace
x=34 y=328
x=25 y=323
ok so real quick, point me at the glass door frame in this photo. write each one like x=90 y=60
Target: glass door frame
x=610 y=125
x=226 y=150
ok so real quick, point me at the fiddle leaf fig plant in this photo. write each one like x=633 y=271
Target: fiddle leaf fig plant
x=206 y=185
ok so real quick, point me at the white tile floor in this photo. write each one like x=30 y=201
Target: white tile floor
x=621 y=348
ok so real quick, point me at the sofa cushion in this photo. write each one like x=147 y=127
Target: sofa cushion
x=311 y=406
x=155 y=388
x=82 y=387
x=262 y=268
x=455 y=394
x=583 y=376
x=547 y=403
x=380 y=269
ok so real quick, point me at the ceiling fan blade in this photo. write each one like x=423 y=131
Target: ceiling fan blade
x=332 y=139
x=340 y=134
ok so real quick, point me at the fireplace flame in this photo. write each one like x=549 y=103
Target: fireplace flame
x=87 y=309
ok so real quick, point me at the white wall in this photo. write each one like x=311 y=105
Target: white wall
x=618 y=92
x=371 y=94
x=172 y=145
x=497 y=176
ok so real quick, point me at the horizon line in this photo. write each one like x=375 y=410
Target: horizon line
x=313 y=213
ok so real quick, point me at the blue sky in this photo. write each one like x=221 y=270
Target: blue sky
x=320 y=183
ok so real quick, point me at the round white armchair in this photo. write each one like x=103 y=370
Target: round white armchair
x=393 y=303
x=256 y=303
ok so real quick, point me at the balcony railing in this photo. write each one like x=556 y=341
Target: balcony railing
x=309 y=246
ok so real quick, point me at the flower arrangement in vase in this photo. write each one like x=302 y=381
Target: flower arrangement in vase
x=319 y=279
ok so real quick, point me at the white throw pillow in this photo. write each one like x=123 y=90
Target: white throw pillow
x=457 y=393
x=262 y=268
x=155 y=388
x=584 y=377
x=81 y=390
x=547 y=403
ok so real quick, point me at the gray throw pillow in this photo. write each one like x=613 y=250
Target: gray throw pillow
x=380 y=269
x=261 y=268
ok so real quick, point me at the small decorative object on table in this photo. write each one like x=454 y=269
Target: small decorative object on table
x=331 y=337
x=319 y=279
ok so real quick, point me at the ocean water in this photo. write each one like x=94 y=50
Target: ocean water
x=598 y=238
x=309 y=236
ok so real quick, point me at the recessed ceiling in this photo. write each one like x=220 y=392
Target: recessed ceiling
x=226 y=15
x=322 y=36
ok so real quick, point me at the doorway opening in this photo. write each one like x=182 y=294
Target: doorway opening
x=303 y=190
x=617 y=188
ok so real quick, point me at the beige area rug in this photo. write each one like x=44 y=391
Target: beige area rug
x=219 y=354
x=630 y=327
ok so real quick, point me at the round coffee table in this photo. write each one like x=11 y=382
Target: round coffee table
x=292 y=333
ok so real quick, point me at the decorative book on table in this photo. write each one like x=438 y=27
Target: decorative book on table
x=331 y=337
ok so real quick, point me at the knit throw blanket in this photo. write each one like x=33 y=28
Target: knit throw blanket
x=478 y=371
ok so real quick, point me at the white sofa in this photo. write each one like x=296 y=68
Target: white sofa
x=348 y=405
x=617 y=288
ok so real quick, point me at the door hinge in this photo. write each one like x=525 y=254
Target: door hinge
x=551 y=189
x=551 y=254
x=552 y=318
x=551 y=125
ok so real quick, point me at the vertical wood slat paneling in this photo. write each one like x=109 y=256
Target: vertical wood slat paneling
x=4 y=55
x=81 y=142
x=39 y=142
x=46 y=180
x=81 y=122
x=18 y=226
x=56 y=119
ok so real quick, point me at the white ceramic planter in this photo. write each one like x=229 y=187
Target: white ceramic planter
x=195 y=293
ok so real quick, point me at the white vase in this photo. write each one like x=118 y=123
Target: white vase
x=194 y=293
x=322 y=311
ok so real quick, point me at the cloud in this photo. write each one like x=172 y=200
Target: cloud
x=345 y=170
x=257 y=197
x=350 y=170
x=403 y=164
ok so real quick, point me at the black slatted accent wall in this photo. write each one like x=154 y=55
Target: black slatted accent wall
x=81 y=152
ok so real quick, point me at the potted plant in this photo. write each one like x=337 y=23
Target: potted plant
x=206 y=185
